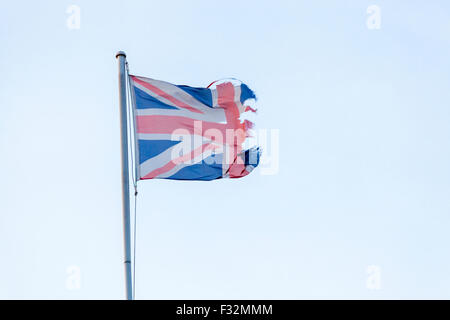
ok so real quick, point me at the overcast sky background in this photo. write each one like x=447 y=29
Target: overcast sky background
x=364 y=176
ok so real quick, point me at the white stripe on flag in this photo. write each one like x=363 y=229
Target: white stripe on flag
x=212 y=115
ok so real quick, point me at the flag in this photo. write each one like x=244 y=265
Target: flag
x=189 y=133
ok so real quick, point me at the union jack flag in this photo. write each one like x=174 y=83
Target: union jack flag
x=188 y=133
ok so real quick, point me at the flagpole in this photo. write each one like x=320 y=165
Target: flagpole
x=121 y=56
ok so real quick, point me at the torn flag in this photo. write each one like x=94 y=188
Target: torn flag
x=188 y=133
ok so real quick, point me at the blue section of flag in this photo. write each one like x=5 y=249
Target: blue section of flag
x=246 y=93
x=146 y=101
x=201 y=94
x=151 y=148
x=205 y=170
x=252 y=156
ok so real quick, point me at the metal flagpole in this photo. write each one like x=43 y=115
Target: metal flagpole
x=121 y=56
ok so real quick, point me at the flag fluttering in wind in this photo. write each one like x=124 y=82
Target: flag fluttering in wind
x=188 y=133
x=180 y=133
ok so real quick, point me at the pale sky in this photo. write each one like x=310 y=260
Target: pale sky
x=359 y=207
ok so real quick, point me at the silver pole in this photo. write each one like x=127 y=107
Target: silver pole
x=121 y=56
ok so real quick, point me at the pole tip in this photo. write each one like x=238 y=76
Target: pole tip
x=120 y=53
